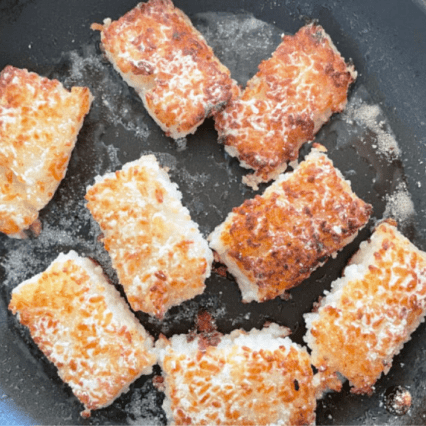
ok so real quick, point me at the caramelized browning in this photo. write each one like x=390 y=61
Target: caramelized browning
x=360 y=327
x=294 y=93
x=158 y=52
x=69 y=317
x=160 y=257
x=276 y=240
x=39 y=123
x=234 y=384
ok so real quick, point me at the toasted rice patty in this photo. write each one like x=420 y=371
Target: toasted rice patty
x=253 y=378
x=294 y=93
x=39 y=124
x=371 y=312
x=158 y=51
x=273 y=242
x=83 y=325
x=159 y=254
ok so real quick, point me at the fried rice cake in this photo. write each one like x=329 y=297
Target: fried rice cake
x=158 y=52
x=273 y=242
x=364 y=321
x=82 y=324
x=159 y=254
x=39 y=124
x=285 y=104
x=255 y=378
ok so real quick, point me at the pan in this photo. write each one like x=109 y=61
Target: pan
x=387 y=43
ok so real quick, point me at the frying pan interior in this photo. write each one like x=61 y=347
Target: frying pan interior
x=387 y=42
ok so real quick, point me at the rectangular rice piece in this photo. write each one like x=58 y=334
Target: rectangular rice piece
x=39 y=124
x=368 y=315
x=159 y=254
x=255 y=378
x=159 y=53
x=273 y=242
x=83 y=325
x=284 y=105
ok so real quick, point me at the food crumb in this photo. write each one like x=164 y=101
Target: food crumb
x=220 y=270
x=397 y=400
x=158 y=382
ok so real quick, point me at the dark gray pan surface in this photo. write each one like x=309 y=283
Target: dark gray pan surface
x=386 y=40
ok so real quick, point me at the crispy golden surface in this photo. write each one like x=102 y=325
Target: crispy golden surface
x=39 y=123
x=84 y=329
x=238 y=382
x=157 y=51
x=276 y=240
x=294 y=93
x=372 y=311
x=157 y=250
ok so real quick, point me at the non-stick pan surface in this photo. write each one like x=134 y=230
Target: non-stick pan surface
x=386 y=40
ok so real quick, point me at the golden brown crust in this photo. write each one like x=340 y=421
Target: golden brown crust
x=286 y=102
x=234 y=384
x=359 y=329
x=278 y=239
x=160 y=257
x=39 y=123
x=158 y=51
x=71 y=319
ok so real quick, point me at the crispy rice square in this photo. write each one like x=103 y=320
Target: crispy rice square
x=284 y=105
x=39 y=124
x=82 y=324
x=364 y=321
x=159 y=53
x=254 y=378
x=159 y=254
x=273 y=242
